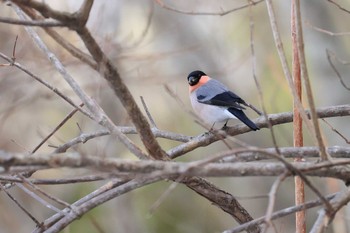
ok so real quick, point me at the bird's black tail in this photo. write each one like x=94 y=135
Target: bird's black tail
x=241 y=116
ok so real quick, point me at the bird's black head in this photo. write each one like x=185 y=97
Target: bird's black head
x=194 y=77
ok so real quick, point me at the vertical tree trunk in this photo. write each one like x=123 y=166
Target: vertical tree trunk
x=300 y=222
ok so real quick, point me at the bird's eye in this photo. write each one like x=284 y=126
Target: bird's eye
x=192 y=80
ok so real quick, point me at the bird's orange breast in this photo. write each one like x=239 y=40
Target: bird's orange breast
x=202 y=81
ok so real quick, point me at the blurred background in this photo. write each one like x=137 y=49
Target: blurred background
x=152 y=47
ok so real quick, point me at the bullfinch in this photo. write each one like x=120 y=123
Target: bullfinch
x=215 y=103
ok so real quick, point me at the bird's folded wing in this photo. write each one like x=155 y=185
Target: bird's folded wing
x=224 y=99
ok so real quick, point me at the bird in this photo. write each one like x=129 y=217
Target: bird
x=214 y=103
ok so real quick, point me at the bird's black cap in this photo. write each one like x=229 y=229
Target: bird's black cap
x=194 y=77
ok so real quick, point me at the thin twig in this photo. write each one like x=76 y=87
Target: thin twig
x=36 y=23
x=104 y=197
x=280 y=214
x=285 y=67
x=84 y=137
x=221 y=13
x=37 y=198
x=36 y=188
x=257 y=83
x=96 y=193
x=336 y=131
x=325 y=218
x=86 y=58
x=14 y=50
x=70 y=115
x=339 y=6
x=329 y=55
x=46 y=84
x=307 y=83
x=60 y=181
x=287 y=152
x=272 y=200
x=38 y=224
x=307 y=23
x=153 y=123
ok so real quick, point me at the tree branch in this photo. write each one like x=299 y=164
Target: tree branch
x=280 y=214
x=275 y=119
x=332 y=169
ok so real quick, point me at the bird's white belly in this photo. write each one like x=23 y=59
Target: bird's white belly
x=211 y=114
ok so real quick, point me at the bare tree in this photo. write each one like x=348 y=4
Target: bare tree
x=84 y=73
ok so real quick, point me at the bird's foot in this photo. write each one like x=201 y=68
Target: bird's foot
x=225 y=127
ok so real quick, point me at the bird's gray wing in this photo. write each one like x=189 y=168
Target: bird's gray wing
x=215 y=93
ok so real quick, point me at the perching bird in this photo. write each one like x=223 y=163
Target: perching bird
x=215 y=103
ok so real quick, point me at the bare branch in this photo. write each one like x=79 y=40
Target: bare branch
x=339 y=6
x=84 y=137
x=153 y=123
x=286 y=152
x=95 y=201
x=46 y=84
x=20 y=206
x=86 y=58
x=222 y=13
x=70 y=115
x=299 y=190
x=60 y=181
x=285 y=67
x=307 y=23
x=36 y=23
x=111 y=74
x=74 y=160
x=257 y=83
x=275 y=119
x=221 y=199
x=103 y=189
x=39 y=190
x=305 y=76
x=280 y=214
x=325 y=218
x=98 y=114
x=37 y=198
x=329 y=55
x=337 y=132
x=272 y=200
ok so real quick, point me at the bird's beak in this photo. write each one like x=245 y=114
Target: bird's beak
x=191 y=80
